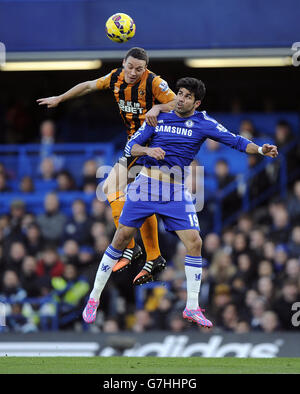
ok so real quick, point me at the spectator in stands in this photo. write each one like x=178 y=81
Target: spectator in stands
x=11 y=290
x=247 y=129
x=283 y=304
x=294 y=243
x=71 y=290
x=70 y=253
x=258 y=307
x=17 y=253
x=229 y=318
x=52 y=222
x=29 y=278
x=269 y=322
x=98 y=210
x=242 y=327
x=257 y=240
x=5 y=223
x=78 y=227
x=221 y=297
x=292 y=269
x=14 y=230
x=283 y=133
x=228 y=236
x=111 y=326
x=98 y=230
x=27 y=220
x=48 y=267
x=33 y=239
x=17 y=210
x=65 y=181
x=222 y=268
x=176 y=323
x=283 y=138
x=293 y=203
x=161 y=314
x=26 y=185
x=100 y=244
x=246 y=269
x=245 y=223
x=250 y=296
x=2 y=169
x=279 y=232
x=266 y=289
x=89 y=173
x=280 y=259
x=238 y=290
x=47 y=138
x=269 y=251
x=223 y=174
x=143 y=321
x=240 y=246
x=89 y=188
x=17 y=321
x=7 y=172
x=4 y=188
x=88 y=263
x=211 y=245
x=47 y=169
x=265 y=268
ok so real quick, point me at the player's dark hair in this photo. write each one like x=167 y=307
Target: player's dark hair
x=193 y=85
x=138 y=53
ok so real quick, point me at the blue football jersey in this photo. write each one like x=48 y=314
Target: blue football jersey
x=181 y=138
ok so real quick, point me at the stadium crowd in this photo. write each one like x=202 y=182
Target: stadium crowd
x=48 y=261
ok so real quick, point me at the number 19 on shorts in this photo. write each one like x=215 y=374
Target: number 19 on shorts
x=194 y=220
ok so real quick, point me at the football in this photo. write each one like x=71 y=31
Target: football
x=120 y=27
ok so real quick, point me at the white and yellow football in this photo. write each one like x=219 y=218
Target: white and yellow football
x=120 y=27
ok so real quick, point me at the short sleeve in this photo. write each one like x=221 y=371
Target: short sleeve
x=161 y=91
x=104 y=82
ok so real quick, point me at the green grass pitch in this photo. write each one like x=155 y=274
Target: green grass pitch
x=147 y=365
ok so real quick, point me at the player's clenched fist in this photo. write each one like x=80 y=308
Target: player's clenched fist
x=270 y=150
x=156 y=153
x=51 y=102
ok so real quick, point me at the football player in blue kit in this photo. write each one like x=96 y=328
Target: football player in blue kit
x=171 y=147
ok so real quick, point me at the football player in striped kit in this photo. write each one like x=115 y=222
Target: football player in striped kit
x=141 y=95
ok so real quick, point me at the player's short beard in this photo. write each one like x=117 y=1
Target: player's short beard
x=185 y=113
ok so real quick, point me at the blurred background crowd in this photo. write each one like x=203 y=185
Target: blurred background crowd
x=49 y=256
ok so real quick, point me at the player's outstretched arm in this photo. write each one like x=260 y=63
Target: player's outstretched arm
x=79 y=90
x=266 y=149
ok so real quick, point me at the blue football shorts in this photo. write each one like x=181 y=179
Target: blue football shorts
x=171 y=201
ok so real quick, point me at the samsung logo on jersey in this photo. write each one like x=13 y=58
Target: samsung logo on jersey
x=174 y=130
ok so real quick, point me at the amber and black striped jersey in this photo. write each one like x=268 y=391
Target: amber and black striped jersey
x=135 y=100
